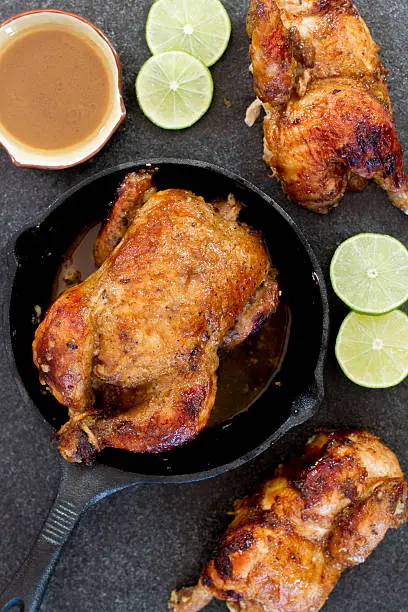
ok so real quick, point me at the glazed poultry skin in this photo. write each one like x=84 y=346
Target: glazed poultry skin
x=135 y=190
x=328 y=124
x=133 y=350
x=289 y=543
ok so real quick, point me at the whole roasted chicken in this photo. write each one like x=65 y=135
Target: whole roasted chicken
x=289 y=543
x=133 y=350
x=328 y=124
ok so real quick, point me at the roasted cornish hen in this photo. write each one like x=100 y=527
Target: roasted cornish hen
x=289 y=543
x=328 y=124
x=133 y=350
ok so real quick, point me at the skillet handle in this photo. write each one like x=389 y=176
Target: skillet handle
x=27 y=588
x=79 y=488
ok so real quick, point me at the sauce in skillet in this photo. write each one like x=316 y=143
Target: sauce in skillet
x=54 y=88
x=243 y=373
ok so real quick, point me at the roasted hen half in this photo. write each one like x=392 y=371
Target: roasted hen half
x=133 y=350
x=328 y=124
x=289 y=543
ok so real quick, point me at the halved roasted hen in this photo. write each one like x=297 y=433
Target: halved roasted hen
x=289 y=543
x=328 y=124
x=133 y=350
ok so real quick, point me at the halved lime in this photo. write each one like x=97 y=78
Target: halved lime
x=199 y=27
x=369 y=272
x=174 y=89
x=373 y=350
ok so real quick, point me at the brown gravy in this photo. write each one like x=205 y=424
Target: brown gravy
x=243 y=373
x=54 y=88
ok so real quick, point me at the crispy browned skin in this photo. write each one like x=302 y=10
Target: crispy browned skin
x=315 y=143
x=132 y=351
x=289 y=543
x=255 y=313
x=273 y=65
x=324 y=152
x=137 y=187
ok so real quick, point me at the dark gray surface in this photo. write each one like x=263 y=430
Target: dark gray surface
x=132 y=549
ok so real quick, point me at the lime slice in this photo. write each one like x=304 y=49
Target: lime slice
x=174 y=89
x=199 y=27
x=369 y=272
x=373 y=351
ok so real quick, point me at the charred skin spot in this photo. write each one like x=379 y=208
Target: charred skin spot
x=233 y=595
x=389 y=164
x=223 y=565
x=193 y=359
x=240 y=542
x=349 y=489
x=368 y=136
x=367 y=152
x=373 y=164
x=76 y=444
x=321 y=477
x=258 y=321
x=192 y=400
x=206 y=581
x=124 y=281
x=271 y=92
x=72 y=346
x=86 y=452
x=126 y=427
x=261 y=11
x=271 y=520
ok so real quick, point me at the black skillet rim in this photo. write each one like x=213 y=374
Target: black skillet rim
x=295 y=418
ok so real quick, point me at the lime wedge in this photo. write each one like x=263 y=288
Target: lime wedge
x=199 y=27
x=373 y=351
x=369 y=272
x=174 y=89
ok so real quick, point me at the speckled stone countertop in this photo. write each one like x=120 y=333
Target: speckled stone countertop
x=133 y=548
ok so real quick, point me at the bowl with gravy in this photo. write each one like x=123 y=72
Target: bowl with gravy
x=60 y=89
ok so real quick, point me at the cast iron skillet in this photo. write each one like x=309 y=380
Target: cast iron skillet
x=33 y=259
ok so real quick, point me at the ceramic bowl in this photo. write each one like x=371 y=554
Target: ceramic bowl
x=23 y=155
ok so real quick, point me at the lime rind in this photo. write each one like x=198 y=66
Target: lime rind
x=209 y=23
x=385 y=255
x=361 y=363
x=179 y=108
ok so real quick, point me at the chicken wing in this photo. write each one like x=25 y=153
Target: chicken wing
x=136 y=189
x=133 y=350
x=316 y=144
x=289 y=543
